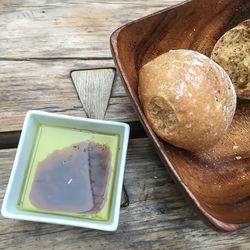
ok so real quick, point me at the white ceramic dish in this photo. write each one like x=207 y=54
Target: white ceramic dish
x=32 y=121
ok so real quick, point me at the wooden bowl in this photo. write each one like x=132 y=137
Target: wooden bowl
x=216 y=180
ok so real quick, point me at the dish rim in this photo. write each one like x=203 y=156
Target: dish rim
x=9 y=211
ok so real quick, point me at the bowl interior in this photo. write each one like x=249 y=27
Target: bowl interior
x=216 y=180
x=32 y=121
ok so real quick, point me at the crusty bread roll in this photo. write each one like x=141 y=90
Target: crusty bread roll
x=189 y=100
x=232 y=53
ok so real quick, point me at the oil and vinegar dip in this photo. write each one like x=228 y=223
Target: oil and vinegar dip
x=73 y=179
x=70 y=172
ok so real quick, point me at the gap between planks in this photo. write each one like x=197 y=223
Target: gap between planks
x=11 y=139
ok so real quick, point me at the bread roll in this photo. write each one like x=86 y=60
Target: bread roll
x=232 y=53
x=189 y=100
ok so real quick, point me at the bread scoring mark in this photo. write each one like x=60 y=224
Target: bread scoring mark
x=162 y=114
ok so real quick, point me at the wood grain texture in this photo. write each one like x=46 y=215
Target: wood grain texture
x=157 y=217
x=79 y=29
x=217 y=180
x=61 y=33
x=46 y=85
x=94 y=88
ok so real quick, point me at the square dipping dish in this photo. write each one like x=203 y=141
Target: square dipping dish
x=217 y=181
x=68 y=171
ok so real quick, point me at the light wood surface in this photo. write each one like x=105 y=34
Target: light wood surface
x=61 y=28
x=46 y=85
x=94 y=88
x=41 y=42
x=157 y=217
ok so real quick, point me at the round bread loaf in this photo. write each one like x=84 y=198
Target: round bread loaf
x=232 y=53
x=189 y=100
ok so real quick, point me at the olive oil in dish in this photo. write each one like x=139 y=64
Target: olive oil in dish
x=70 y=173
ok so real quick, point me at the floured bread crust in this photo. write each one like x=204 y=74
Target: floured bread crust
x=232 y=52
x=188 y=99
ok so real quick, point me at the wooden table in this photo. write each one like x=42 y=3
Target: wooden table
x=41 y=42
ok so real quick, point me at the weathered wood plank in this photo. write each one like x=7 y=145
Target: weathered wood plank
x=120 y=109
x=60 y=28
x=94 y=88
x=157 y=217
x=46 y=85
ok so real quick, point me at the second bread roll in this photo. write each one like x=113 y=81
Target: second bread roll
x=232 y=52
x=188 y=99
